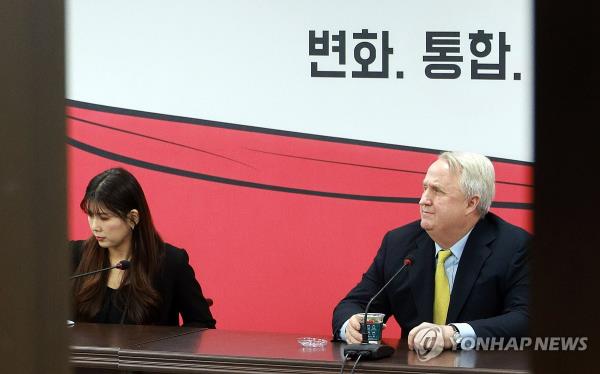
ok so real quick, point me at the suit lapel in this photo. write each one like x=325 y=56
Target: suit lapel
x=474 y=256
x=421 y=276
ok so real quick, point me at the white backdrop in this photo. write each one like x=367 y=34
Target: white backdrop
x=247 y=62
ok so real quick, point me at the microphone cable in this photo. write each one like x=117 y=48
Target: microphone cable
x=356 y=363
x=344 y=362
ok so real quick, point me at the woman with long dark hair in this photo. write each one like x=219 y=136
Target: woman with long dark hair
x=158 y=286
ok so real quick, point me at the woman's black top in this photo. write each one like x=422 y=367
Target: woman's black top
x=179 y=291
x=112 y=310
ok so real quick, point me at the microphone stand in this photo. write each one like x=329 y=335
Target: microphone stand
x=121 y=265
x=365 y=349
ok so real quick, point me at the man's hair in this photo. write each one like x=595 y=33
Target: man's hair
x=476 y=176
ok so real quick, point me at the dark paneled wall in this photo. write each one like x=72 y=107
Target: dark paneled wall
x=567 y=225
x=33 y=286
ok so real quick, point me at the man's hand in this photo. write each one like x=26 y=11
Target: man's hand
x=353 y=334
x=417 y=337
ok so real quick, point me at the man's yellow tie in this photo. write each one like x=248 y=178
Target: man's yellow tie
x=442 y=289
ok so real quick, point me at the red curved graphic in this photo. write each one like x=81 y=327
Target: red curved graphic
x=278 y=225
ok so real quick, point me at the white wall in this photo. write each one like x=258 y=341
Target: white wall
x=247 y=62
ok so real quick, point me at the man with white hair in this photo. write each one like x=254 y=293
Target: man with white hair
x=470 y=276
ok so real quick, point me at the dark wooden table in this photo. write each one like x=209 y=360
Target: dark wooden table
x=106 y=348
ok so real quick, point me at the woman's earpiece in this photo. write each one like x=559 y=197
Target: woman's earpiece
x=134 y=218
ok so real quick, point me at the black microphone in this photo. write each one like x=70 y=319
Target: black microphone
x=121 y=265
x=365 y=349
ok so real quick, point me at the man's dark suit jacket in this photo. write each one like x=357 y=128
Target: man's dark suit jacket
x=490 y=291
x=177 y=286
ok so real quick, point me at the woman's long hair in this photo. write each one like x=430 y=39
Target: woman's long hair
x=117 y=191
